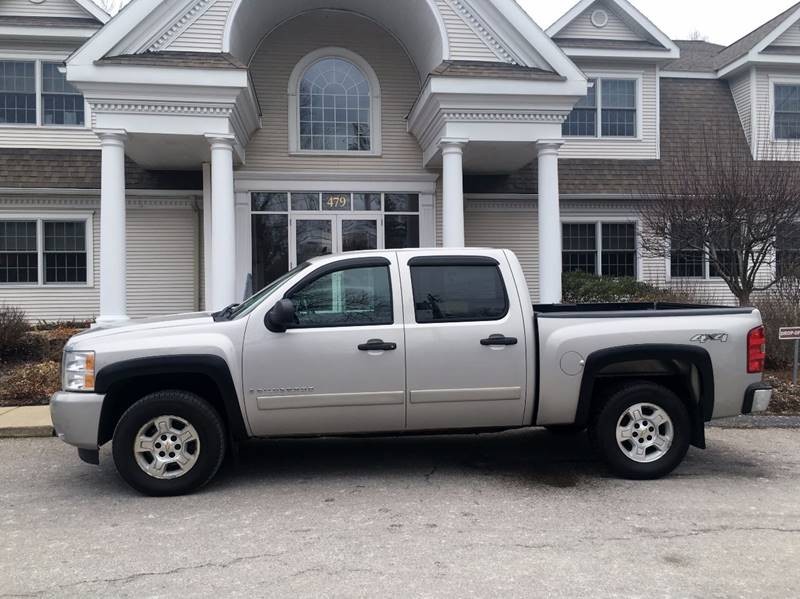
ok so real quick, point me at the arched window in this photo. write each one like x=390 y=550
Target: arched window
x=336 y=104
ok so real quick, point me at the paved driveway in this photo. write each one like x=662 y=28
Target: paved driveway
x=519 y=514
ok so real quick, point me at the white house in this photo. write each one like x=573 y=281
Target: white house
x=185 y=152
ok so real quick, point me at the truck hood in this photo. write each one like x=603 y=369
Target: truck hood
x=146 y=324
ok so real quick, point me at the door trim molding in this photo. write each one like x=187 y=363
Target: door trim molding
x=465 y=395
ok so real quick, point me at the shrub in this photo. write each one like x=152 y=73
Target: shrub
x=780 y=307
x=582 y=288
x=13 y=328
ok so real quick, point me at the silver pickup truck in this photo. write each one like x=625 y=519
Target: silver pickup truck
x=409 y=341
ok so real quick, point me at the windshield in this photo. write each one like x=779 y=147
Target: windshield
x=251 y=303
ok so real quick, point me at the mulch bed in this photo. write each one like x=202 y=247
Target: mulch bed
x=786 y=397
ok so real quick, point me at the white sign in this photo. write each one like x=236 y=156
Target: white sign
x=789 y=334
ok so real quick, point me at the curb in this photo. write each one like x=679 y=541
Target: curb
x=28 y=421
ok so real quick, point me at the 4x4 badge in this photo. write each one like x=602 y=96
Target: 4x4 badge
x=706 y=337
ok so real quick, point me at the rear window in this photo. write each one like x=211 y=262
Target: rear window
x=458 y=293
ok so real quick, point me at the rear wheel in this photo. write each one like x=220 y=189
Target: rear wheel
x=642 y=431
x=169 y=443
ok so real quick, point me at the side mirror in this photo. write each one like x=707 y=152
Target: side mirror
x=281 y=316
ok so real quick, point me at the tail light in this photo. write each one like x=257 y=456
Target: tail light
x=756 y=350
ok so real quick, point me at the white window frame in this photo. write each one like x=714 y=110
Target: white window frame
x=773 y=81
x=583 y=220
x=638 y=77
x=41 y=218
x=38 y=72
x=375 y=127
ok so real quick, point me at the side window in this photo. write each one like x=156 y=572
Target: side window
x=458 y=293
x=349 y=297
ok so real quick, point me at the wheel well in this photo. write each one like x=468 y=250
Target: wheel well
x=123 y=394
x=686 y=371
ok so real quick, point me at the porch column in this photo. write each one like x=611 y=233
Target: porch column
x=113 y=259
x=207 y=235
x=549 y=223
x=453 y=192
x=223 y=224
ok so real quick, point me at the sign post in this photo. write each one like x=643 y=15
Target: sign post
x=792 y=334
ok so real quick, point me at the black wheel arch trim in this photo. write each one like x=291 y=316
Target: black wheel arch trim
x=211 y=366
x=696 y=356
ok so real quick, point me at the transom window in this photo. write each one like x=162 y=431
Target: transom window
x=787 y=112
x=608 y=110
x=335 y=107
x=37 y=93
x=44 y=252
x=604 y=249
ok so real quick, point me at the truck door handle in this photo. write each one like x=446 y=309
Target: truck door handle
x=499 y=340
x=377 y=345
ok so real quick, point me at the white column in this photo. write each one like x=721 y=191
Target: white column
x=223 y=224
x=549 y=223
x=207 y=235
x=453 y=192
x=113 y=266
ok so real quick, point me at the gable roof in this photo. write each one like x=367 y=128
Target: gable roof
x=94 y=10
x=749 y=42
x=696 y=56
x=624 y=10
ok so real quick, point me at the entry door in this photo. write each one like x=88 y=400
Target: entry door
x=320 y=235
x=465 y=343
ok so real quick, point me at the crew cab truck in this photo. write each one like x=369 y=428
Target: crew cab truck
x=408 y=341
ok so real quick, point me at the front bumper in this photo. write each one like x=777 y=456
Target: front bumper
x=757 y=398
x=76 y=418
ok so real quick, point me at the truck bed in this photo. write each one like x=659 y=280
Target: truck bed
x=634 y=310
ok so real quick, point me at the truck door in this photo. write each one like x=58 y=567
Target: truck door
x=465 y=342
x=341 y=368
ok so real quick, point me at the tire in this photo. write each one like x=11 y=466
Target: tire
x=654 y=431
x=565 y=430
x=182 y=441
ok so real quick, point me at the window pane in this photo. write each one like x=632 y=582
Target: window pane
x=358 y=235
x=18 y=257
x=65 y=252
x=579 y=248
x=305 y=201
x=729 y=263
x=787 y=251
x=62 y=103
x=619 y=123
x=787 y=111
x=619 y=250
x=401 y=231
x=270 y=248
x=787 y=98
x=582 y=122
x=686 y=260
x=313 y=238
x=17 y=92
x=367 y=201
x=458 y=293
x=619 y=107
x=270 y=202
x=337 y=202
x=353 y=297
x=402 y=202
x=334 y=107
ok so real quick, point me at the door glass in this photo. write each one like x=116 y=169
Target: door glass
x=458 y=293
x=270 y=248
x=314 y=238
x=401 y=231
x=352 y=297
x=359 y=235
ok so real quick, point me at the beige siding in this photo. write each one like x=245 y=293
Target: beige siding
x=790 y=38
x=486 y=225
x=741 y=89
x=766 y=147
x=48 y=8
x=51 y=138
x=582 y=27
x=465 y=43
x=277 y=57
x=204 y=34
x=162 y=263
x=645 y=148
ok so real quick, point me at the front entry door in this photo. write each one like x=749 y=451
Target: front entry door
x=320 y=235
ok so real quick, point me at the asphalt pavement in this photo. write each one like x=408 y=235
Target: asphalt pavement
x=521 y=514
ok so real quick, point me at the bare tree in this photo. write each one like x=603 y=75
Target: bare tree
x=698 y=36
x=716 y=207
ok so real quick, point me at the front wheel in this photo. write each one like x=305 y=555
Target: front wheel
x=643 y=431
x=169 y=443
